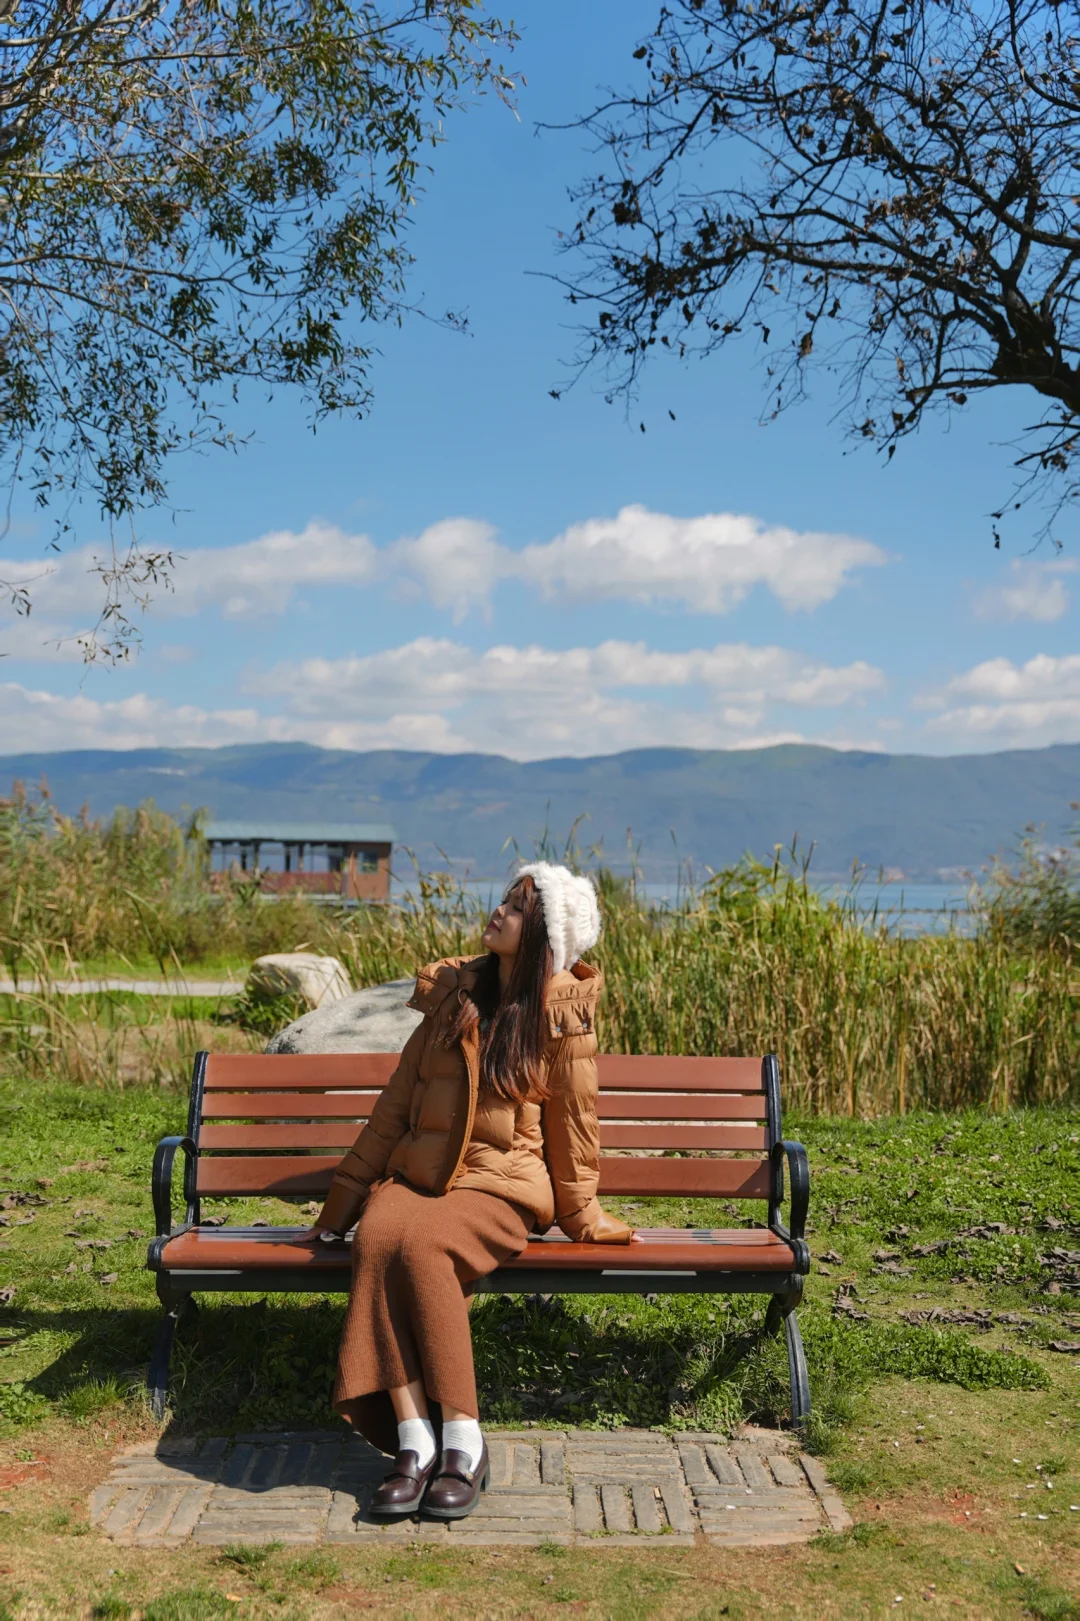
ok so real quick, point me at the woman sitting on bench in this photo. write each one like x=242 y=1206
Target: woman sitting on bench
x=486 y=1132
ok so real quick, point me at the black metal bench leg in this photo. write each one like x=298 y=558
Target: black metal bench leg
x=176 y=1306
x=782 y=1311
x=800 y=1383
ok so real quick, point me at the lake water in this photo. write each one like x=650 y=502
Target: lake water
x=910 y=908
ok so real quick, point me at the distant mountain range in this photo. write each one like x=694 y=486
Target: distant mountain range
x=926 y=817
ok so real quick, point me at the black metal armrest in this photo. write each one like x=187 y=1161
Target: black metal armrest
x=799 y=1169
x=161 y=1179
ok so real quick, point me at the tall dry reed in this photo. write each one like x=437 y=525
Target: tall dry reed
x=865 y=1020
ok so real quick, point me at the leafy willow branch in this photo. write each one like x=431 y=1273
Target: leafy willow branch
x=194 y=196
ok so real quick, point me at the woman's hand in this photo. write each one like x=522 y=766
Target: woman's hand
x=318 y=1232
x=610 y=1230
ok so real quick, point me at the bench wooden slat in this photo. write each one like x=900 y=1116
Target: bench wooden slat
x=343 y=1133
x=278 y=1174
x=285 y=1105
x=746 y=1137
x=709 y=1251
x=317 y=1071
x=685 y=1178
x=679 y=1074
x=677 y=1106
x=284 y=1174
x=358 y=1106
x=298 y=1071
x=333 y=1134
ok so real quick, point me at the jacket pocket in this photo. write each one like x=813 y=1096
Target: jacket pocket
x=493 y=1124
x=442 y=1098
x=569 y=1019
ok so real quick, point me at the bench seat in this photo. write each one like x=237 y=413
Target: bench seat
x=710 y=1249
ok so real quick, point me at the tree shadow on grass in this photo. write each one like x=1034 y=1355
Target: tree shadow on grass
x=689 y=1361
x=235 y=1365
x=269 y=1363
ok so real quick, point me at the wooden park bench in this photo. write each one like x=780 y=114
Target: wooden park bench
x=277 y=1125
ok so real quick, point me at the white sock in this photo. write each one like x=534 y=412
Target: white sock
x=463 y=1435
x=417 y=1435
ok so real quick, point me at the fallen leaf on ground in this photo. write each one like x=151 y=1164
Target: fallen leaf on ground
x=844 y=1306
x=1068 y=1346
x=110 y=1277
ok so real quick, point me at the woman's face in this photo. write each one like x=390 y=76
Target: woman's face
x=503 y=933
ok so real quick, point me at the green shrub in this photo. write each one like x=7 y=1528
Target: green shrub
x=18 y=1405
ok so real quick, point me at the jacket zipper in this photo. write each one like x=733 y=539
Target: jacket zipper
x=470 y=1047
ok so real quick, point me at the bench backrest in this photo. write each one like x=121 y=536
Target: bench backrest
x=277 y=1124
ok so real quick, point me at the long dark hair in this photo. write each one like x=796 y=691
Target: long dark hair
x=512 y=1024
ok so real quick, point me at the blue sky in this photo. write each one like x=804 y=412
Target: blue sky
x=479 y=566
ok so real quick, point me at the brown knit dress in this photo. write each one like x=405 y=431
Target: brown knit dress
x=414 y=1255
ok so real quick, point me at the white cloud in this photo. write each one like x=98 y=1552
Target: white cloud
x=1031 y=591
x=261 y=576
x=37 y=722
x=29 y=637
x=534 y=701
x=249 y=581
x=527 y=702
x=456 y=564
x=708 y=564
x=1003 y=704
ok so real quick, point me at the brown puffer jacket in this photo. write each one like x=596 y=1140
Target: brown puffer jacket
x=431 y=1125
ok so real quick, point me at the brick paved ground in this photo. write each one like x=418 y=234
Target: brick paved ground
x=565 y=1486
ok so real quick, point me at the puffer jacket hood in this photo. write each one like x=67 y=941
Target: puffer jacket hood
x=432 y=1125
x=571 y=997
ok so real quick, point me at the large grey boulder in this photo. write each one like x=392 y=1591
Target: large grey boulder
x=375 y=1020
x=309 y=975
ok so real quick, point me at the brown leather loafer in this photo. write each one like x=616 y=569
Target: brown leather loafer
x=455 y=1490
x=402 y=1490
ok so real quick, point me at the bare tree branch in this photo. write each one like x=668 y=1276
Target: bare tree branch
x=889 y=190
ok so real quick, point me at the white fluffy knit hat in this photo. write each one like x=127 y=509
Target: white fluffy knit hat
x=570 y=911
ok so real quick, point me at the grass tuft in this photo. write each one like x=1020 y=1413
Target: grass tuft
x=188 y=1604
x=249 y=1556
x=111 y=1608
x=92 y=1397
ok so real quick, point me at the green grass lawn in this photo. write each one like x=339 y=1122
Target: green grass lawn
x=935 y=1431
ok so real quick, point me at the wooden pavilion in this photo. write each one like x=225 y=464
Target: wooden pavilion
x=348 y=860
